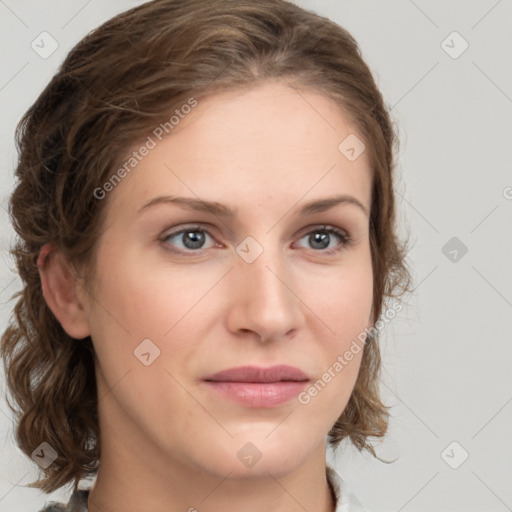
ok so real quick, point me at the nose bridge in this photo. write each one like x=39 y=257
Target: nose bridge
x=265 y=302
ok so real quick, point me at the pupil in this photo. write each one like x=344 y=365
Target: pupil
x=321 y=238
x=193 y=239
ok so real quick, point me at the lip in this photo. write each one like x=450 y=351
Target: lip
x=259 y=387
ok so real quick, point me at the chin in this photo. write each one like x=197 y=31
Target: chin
x=256 y=456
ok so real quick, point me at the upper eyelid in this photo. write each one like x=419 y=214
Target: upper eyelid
x=193 y=227
x=325 y=226
x=209 y=227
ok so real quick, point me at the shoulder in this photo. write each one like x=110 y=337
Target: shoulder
x=77 y=503
x=345 y=498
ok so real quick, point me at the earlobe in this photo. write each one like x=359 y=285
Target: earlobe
x=60 y=290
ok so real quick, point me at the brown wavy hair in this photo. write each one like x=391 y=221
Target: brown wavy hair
x=114 y=87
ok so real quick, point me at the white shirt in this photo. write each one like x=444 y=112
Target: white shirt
x=345 y=499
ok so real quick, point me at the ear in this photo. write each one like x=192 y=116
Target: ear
x=60 y=290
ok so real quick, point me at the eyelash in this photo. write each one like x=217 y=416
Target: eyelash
x=344 y=237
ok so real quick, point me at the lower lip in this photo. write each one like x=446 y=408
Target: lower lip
x=259 y=394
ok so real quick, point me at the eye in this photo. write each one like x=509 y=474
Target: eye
x=194 y=239
x=327 y=239
x=190 y=239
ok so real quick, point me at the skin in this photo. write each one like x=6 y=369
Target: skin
x=168 y=441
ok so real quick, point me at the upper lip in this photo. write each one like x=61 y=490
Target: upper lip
x=258 y=374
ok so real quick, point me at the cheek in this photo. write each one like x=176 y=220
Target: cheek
x=135 y=302
x=344 y=300
x=344 y=306
x=134 y=305
x=143 y=300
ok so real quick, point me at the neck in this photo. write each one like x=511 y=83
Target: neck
x=142 y=478
x=294 y=493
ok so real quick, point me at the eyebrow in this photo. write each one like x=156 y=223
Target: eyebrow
x=221 y=210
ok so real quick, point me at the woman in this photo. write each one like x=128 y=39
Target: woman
x=206 y=224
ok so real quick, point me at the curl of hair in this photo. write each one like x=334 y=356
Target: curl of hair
x=114 y=87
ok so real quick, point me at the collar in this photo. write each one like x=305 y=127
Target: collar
x=345 y=499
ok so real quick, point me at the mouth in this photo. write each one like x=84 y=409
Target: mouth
x=258 y=387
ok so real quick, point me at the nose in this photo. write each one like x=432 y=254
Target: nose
x=265 y=300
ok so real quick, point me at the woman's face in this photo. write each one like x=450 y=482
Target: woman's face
x=185 y=291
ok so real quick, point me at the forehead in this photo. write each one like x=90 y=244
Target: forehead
x=269 y=141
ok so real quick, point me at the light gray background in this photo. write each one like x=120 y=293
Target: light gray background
x=447 y=355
